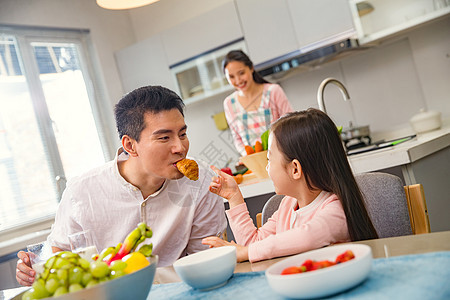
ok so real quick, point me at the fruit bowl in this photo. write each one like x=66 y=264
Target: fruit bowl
x=135 y=285
x=322 y=282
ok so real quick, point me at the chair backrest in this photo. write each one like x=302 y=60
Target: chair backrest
x=270 y=207
x=418 y=213
x=392 y=212
x=386 y=203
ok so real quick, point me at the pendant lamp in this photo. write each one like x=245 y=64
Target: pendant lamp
x=123 y=4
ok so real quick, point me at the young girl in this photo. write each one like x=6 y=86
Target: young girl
x=254 y=105
x=323 y=204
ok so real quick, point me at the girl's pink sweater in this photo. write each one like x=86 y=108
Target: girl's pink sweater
x=316 y=225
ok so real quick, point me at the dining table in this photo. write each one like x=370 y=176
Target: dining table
x=393 y=275
x=404 y=267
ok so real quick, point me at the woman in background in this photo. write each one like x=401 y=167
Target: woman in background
x=254 y=105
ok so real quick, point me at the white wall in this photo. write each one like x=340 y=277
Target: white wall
x=151 y=19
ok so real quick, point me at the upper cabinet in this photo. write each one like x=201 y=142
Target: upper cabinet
x=377 y=19
x=315 y=21
x=210 y=30
x=143 y=64
x=187 y=57
x=275 y=28
x=267 y=28
x=202 y=76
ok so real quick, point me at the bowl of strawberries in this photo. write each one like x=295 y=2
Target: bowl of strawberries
x=322 y=272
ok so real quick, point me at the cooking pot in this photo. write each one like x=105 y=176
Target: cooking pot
x=355 y=132
x=426 y=121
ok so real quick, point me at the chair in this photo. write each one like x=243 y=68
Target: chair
x=417 y=206
x=386 y=203
x=268 y=209
x=395 y=209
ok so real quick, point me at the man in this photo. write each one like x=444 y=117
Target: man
x=142 y=184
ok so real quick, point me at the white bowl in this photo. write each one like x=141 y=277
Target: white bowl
x=136 y=285
x=207 y=269
x=426 y=121
x=322 y=282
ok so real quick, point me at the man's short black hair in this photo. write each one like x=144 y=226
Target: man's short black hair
x=130 y=110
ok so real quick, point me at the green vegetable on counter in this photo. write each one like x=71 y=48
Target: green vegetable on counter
x=265 y=140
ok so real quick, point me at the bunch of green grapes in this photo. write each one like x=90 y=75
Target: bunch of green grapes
x=67 y=272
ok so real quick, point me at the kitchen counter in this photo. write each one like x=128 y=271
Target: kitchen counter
x=256 y=187
x=405 y=153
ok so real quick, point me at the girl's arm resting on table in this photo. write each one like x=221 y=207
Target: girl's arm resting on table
x=214 y=241
x=244 y=230
x=327 y=227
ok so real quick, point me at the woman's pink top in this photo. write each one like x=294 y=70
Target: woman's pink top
x=291 y=231
x=247 y=126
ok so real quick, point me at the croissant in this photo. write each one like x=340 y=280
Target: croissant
x=188 y=168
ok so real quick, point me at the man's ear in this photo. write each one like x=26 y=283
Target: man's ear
x=129 y=145
x=296 y=169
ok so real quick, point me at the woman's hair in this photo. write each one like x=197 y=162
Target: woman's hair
x=239 y=55
x=311 y=137
x=130 y=110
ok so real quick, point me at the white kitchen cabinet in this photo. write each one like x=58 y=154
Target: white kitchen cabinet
x=267 y=27
x=315 y=21
x=202 y=77
x=384 y=18
x=201 y=34
x=143 y=64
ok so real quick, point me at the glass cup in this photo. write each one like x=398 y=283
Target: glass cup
x=39 y=253
x=83 y=243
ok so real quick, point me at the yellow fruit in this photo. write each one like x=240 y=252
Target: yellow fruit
x=135 y=261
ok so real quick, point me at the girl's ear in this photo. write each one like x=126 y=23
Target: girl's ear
x=129 y=145
x=296 y=169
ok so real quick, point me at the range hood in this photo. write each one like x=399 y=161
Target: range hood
x=311 y=56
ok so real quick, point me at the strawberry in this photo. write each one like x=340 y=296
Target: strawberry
x=311 y=265
x=346 y=256
x=291 y=270
x=308 y=264
x=322 y=264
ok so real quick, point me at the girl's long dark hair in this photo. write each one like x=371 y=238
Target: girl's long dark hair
x=311 y=137
x=238 y=55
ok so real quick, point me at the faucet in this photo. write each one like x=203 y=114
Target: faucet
x=322 y=89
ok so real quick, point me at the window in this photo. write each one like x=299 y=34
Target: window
x=50 y=121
